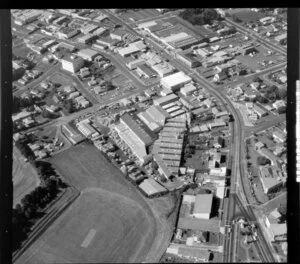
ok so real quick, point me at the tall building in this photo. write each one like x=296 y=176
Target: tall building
x=72 y=65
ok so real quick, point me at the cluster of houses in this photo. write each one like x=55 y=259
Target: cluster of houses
x=274 y=175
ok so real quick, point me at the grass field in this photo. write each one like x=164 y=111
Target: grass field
x=247 y=15
x=25 y=178
x=110 y=219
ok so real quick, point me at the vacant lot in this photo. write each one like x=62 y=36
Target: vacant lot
x=25 y=178
x=110 y=221
x=246 y=15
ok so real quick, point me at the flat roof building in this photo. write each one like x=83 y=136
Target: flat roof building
x=188 y=89
x=163 y=69
x=72 y=65
x=203 y=206
x=161 y=101
x=175 y=81
x=88 y=54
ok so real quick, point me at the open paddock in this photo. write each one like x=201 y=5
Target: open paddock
x=99 y=227
x=111 y=219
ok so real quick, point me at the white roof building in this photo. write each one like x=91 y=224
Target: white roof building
x=188 y=89
x=203 y=206
x=175 y=81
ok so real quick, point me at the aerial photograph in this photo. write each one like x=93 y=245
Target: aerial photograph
x=149 y=135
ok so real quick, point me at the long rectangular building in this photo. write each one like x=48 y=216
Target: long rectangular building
x=140 y=133
x=166 y=100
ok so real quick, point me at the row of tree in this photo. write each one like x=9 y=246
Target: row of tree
x=199 y=16
x=32 y=204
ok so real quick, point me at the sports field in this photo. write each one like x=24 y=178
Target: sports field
x=25 y=178
x=109 y=222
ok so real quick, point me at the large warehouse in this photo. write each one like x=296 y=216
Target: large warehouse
x=203 y=206
x=175 y=81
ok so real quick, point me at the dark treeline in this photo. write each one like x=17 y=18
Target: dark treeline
x=199 y=16
x=31 y=207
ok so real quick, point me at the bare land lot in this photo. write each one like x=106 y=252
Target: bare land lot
x=110 y=218
x=25 y=178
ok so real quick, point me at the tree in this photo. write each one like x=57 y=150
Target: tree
x=262 y=160
x=282 y=209
x=281 y=110
x=257 y=79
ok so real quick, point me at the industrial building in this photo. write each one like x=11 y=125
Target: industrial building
x=175 y=81
x=166 y=100
x=89 y=28
x=66 y=33
x=203 y=206
x=139 y=132
x=108 y=42
x=133 y=64
x=86 y=38
x=145 y=70
x=118 y=34
x=132 y=48
x=188 y=89
x=135 y=137
x=88 y=54
x=154 y=117
x=163 y=69
x=72 y=134
x=86 y=129
x=27 y=16
x=72 y=65
x=188 y=59
x=151 y=187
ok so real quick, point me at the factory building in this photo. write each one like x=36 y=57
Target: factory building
x=72 y=65
x=139 y=132
x=27 y=16
x=154 y=117
x=188 y=89
x=166 y=100
x=73 y=136
x=163 y=69
x=150 y=187
x=132 y=48
x=86 y=38
x=86 y=129
x=133 y=64
x=175 y=81
x=146 y=71
x=188 y=59
x=67 y=33
x=135 y=137
x=203 y=206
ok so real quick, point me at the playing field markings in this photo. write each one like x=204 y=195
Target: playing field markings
x=88 y=239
